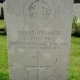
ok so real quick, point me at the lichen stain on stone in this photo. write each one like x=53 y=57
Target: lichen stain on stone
x=28 y=73
x=33 y=56
x=56 y=61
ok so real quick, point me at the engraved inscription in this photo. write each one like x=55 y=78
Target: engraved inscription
x=51 y=40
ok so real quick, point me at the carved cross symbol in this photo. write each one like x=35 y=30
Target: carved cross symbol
x=37 y=67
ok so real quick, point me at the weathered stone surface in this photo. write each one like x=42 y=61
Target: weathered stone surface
x=38 y=38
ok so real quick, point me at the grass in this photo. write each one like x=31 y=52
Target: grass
x=74 y=65
x=1 y=24
x=4 y=73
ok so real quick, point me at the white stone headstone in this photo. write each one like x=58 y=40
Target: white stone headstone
x=38 y=38
x=76 y=8
x=1 y=5
x=4 y=6
x=0 y=9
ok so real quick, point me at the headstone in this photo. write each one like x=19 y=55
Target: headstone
x=0 y=9
x=76 y=8
x=1 y=5
x=38 y=38
x=4 y=6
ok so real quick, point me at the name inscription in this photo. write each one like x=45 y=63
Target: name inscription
x=48 y=40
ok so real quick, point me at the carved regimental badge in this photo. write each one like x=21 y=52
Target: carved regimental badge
x=39 y=12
